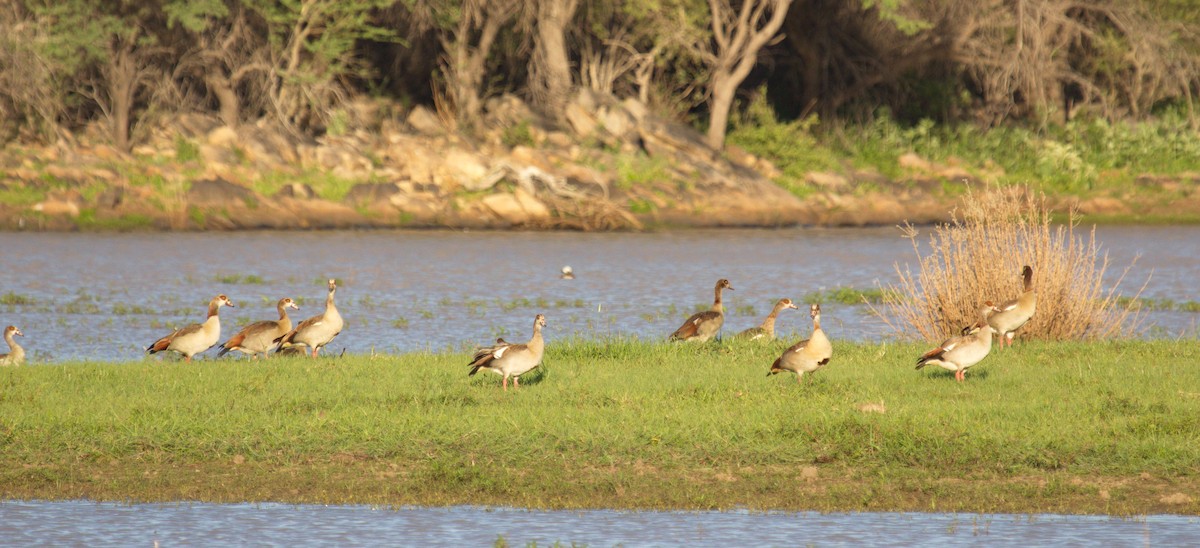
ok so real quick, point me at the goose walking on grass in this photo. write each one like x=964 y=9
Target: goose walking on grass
x=258 y=337
x=197 y=337
x=16 y=354
x=512 y=360
x=702 y=326
x=1014 y=314
x=317 y=331
x=809 y=355
x=766 y=331
x=959 y=353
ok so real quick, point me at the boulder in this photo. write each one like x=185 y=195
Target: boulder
x=468 y=169
x=223 y=136
x=371 y=193
x=218 y=192
x=55 y=207
x=425 y=121
x=517 y=208
x=296 y=191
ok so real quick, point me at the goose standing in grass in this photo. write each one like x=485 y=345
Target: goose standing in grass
x=702 y=326
x=809 y=355
x=766 y=331
x=197 y=337
x=959 y=353
x=317 y=331
x=1016 y=313
x=16 y=354
x=512 y=360
x=258 y=337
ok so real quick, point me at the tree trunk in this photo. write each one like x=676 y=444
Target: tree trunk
x=227 y=99
x=553 y=66
x=122 y=81
x=723 y=90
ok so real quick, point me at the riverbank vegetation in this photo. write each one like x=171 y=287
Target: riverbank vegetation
x=1076 y=427
x=1082 y=100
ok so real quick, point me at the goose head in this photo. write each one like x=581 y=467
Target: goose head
x=539 y=321
x=814 y=310
x=287 y=302
x=332 y=284
x=12 y=330
x=785 y=303
x=222 y=300
x=724 y=284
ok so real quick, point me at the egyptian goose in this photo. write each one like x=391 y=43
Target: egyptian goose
x=16 y=354
x=959 y=353
x=701 y=326
x=512 y=360
x=766 y=331
x=808 y=355
x=567 y=273
x=1015 y=313
x=317 y=331
x=258 y=337
x=197 y=337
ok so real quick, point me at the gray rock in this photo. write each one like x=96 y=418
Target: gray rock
x=370 y=193
x=218 y=192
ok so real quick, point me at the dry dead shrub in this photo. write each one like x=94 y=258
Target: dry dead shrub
x=979 y=255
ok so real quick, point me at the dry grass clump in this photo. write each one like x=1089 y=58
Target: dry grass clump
x=979 y=255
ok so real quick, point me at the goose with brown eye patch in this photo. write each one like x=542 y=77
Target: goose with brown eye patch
x=702 y=326
x=197 y=337
x=16 y=354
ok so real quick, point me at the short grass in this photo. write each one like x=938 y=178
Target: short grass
x=1106 y=427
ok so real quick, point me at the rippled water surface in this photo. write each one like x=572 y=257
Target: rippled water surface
x=78 y=523
x=107 y=296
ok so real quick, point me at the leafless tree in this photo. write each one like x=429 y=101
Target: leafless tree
x=224 y=57
x=739 y=33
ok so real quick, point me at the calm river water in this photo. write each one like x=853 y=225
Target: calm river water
x=81 y=523
x=107 y=296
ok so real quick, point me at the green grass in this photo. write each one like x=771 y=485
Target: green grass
x=1068 y=427
x=236 y=279
x=845 y=295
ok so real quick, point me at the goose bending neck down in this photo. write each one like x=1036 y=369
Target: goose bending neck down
x=702 y=326
x=197 y=337
x=317 y=331
x=512 y=360
x=16 y=354
x=806 y=356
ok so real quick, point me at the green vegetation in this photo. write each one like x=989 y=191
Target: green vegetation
x=1082 y=156
x=845 y=295
x=1107 y=427
x=234 y=279
x=12 y=299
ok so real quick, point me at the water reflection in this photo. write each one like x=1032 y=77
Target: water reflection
x=91 y=524
x=106 y=296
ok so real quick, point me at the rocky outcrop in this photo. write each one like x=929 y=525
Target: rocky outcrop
x=636 y=171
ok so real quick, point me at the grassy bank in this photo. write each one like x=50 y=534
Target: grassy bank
x=1042 y=427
